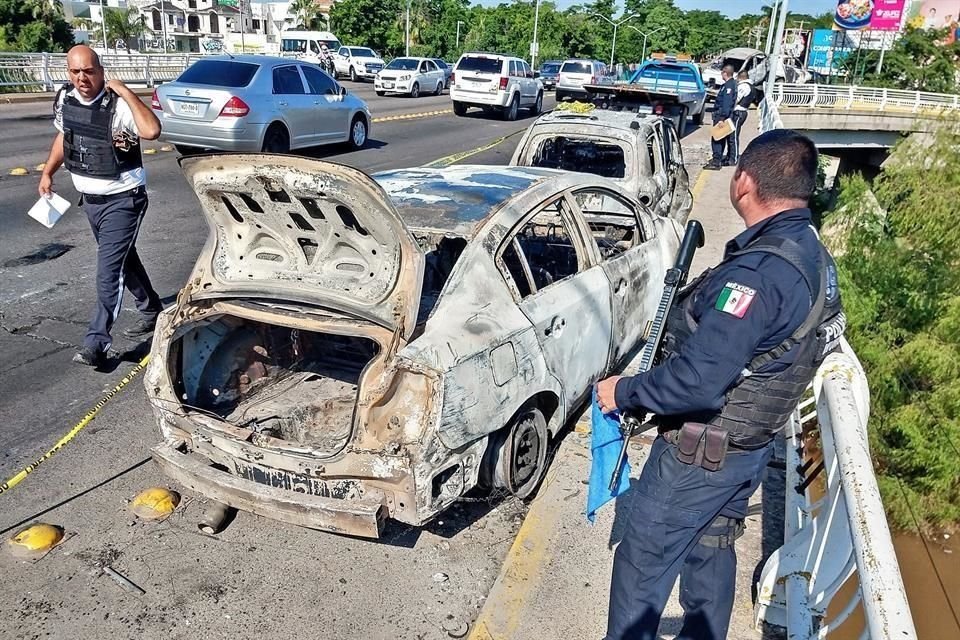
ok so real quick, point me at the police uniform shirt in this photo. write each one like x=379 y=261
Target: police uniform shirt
x=745 y=307
x=123 y=122
x=725 y=101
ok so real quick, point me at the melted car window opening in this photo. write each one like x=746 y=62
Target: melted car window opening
x=441 y=254
x=547 y=250
x=581 y=155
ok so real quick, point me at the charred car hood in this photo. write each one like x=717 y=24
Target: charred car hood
x=303 y=230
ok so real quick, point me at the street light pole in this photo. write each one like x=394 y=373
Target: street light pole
x=772 y=27
x=535 y=46
x=459 y=22
x=616 y=25
x=103 y=24
x=777 y=50
x=643 y=56
x=408 y=31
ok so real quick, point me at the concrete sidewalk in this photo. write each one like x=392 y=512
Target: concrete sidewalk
x=555 y=581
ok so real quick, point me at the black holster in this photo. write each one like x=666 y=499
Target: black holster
x=703 y=445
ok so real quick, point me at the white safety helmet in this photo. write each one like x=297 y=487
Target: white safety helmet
x=323 y=47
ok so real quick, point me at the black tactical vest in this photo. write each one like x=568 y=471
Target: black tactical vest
x=88 y=146
x=759 y=403
x=747 y=100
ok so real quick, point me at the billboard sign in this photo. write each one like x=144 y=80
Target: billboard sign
x=934 y=14
x=828 y=50
x=876 y=15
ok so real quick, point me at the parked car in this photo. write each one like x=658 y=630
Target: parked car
x=495 y=82
x=447 y=69
x=306 y=45
x=574 y=74
x=410 y=76
x=549 y=71
x=353 y=348
x=358 y=63
x=258 y=103
x=641 y=153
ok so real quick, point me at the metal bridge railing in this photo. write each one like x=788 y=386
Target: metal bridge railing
x=837 y=555
x=47 y=71
x=891 y=101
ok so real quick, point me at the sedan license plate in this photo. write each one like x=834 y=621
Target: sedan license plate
x=388 y=85
x=189 y=109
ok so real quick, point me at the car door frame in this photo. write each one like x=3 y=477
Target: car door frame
x=632 y=276
x=678 y=186
x=432 y=74
x=293 y=108
x=556 y=333
x=330 y=110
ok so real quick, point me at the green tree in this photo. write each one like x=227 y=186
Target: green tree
x=307 y=15
x=126 y=25
x=21 y=31
x=898 y=248
x=918 y=61
x=370 y=23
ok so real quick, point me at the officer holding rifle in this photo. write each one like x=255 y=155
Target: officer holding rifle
x=742 y=342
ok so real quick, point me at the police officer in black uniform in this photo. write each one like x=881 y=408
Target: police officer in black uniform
x=100 y=126
x=742 y=344
x=722 y=110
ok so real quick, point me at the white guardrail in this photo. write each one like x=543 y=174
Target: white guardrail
x=48 y=71
x=820 y=96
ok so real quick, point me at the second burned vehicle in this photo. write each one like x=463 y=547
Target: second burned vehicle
x=350 y=348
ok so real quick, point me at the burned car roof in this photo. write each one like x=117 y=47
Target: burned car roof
x=456 y=200
x=597 y=118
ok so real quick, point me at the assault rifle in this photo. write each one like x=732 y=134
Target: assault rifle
x=674 y=280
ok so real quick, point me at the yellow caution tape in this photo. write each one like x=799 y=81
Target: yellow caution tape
x=576 y=107
x=18 y=478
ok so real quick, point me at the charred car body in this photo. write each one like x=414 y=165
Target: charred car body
x=641 y=153
x=350 y=349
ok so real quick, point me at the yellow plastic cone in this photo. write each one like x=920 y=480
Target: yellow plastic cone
x=155 y=503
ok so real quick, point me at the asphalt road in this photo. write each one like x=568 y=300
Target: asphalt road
x=258 y=578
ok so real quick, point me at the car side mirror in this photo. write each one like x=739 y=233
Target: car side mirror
x=343 y=91
x=536 y=74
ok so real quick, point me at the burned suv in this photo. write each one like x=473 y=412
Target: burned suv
x=350 y=348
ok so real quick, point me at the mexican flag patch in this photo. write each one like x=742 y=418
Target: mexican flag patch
x=735 y=299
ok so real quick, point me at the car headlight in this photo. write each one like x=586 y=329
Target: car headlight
x=405 y=77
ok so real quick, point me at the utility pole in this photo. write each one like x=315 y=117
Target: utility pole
x=772 y=26
x=774 y=60
x=616 y=25
x=459 y=22
x=103 y=23
x=407 y=37
x=243 y=44
x=163 y=23
x=643 y=56
x=535 y=45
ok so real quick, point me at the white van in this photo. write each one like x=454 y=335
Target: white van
x=305 y=45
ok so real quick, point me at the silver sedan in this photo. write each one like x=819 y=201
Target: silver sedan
x=258 y=103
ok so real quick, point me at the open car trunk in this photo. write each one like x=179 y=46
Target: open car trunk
x=297 y=386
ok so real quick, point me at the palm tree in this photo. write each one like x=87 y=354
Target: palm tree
x=306 y=13
x=45 y=9
x=125 y=25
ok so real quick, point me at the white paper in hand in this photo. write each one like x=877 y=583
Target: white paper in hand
x=48 y=210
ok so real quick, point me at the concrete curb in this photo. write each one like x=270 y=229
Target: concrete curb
x=27 y=98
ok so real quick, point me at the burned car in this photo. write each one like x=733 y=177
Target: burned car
x=642 y=153
x=349 y=349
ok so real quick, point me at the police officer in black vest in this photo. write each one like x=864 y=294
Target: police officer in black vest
x=100 y=126
x=742 y=344
x=723 y=106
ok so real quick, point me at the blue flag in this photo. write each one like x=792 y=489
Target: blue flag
x=605 y=445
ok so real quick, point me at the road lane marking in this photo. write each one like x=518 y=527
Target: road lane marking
x=700 y=184
x=463 y=155
x=412 y=116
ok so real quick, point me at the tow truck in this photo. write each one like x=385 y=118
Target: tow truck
x=668 y=86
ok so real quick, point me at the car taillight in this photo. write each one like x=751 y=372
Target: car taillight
x=453 y=78
x=155 y=102
x=235 y=107
x=503 y=83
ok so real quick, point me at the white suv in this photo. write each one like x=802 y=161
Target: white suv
x=357 y=62
x=495 y=82
x=576 y=73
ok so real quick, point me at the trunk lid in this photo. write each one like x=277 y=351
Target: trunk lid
x=304 y=230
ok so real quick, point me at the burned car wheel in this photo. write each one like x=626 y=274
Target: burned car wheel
x=521 y=454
